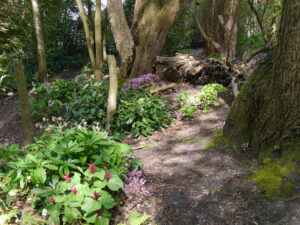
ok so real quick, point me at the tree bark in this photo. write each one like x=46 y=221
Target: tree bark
x=42 y=72
x=28 y=131
x=266 y=113
x=87 y=34
x=113 y=87
x=122 y=35
x=98 y=66
x=219 y=24
x=153 y=23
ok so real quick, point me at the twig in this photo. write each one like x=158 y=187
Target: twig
x=293 y=198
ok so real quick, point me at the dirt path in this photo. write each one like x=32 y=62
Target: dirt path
x=10 y=120
x=193 y=183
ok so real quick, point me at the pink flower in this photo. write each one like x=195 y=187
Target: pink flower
x=73 y=189
x=67 y=178
x=52 y=200
x=92 y=167
x=96 y=195
x=104 y=166
x=107 y=175
x=99 y=212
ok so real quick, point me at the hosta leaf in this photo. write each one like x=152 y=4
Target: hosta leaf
x=115 y=183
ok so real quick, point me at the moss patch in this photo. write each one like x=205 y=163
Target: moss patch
x=272 y=177
x=217 y=140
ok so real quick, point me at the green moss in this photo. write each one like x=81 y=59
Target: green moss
x=272 y=177
x=217 y=140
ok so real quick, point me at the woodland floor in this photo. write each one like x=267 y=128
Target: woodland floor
x=191 y=181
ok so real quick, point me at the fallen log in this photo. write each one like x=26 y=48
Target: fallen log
x=162 y=88
x=202 y=70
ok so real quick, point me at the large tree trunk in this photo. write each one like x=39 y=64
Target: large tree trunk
x=153 y=23
x=42 y=73
x=140 y=46
x=98 y=71
x=220 y=26
x=267 y=111
x=122 y=35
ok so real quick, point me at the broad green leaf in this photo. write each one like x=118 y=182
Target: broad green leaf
x=90 y=205
x=39 y=175
x=101 y=220
x=50 y=167
x=107 y=200
x=115 y=183
x=54 y=211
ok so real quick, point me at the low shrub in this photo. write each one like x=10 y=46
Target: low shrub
x=71 y=175
x=138 y=111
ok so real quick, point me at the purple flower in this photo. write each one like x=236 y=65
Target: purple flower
x=135 y=184
x=141 y=80
x=128 y=136
x=245 y=146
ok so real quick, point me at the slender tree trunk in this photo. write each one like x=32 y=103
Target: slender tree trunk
x=121 y=34
x=113 y=87
x=266 y=113
x=98 y=71
x=28 y=131
x=42 y=73
x=87 y=34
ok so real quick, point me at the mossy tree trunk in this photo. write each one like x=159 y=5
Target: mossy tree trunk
x=266 y=113
x=28 y=131
x=42 y=72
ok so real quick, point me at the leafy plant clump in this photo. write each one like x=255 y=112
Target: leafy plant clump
x=203 y=100
x=138 y=111
x=70 y=175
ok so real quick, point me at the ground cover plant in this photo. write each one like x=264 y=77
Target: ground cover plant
x=69 y=174
x=138 y=111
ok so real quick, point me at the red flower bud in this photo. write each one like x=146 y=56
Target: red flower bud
x=73 y=189
x=92 y=167
x=99 y=212
x=104 y=166
x=67 y=178
x=52 y=200
x=96 y=195
x=107 y=176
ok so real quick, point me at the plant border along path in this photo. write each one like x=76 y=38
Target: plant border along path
x=195 y=180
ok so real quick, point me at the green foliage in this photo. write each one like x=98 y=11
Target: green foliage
x=203 y=100
x=216 y=56
x=92 y=162
x=188 y=108
x=135 y=219
x=138 y=111
x=209 y=94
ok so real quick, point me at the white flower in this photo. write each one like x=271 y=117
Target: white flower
x=28 y=178
x=79 y=127
x=44 y=119
x=44 y=212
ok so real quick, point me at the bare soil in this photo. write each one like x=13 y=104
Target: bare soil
x=193 y=183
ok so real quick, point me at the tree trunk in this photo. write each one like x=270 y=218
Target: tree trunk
x=42 y=73
x=98 y=66
x=113 y=87
x=219 y=24
x=266 y=113
x=122 y=35
x=28 y=130
x=87 y=34
x=153 y=23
